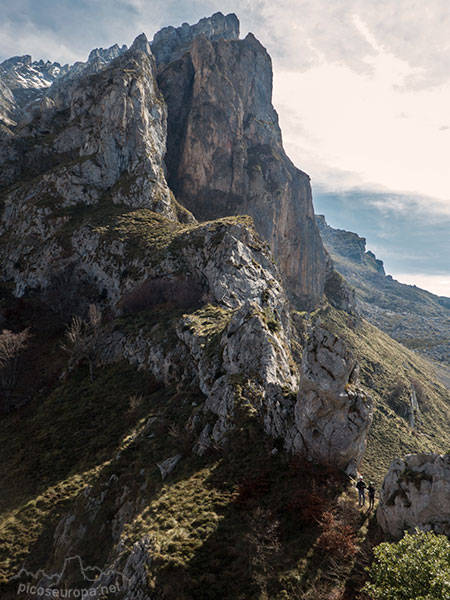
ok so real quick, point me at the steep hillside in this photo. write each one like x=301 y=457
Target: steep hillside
x=240 y=518
x=416 y=318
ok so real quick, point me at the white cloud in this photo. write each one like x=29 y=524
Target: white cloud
x=368 y=124
x=31 y=41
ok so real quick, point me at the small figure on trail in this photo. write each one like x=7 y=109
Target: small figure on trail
x=361 y=486
x=371 y=494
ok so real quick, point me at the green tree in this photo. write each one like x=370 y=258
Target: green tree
x=417 y=567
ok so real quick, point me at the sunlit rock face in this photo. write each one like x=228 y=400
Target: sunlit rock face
x=224 y=147
x=415 y=493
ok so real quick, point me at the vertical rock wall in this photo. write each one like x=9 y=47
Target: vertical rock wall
x=225 y=153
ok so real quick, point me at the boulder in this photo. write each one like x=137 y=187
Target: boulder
x=416 y=493
x=167 y=466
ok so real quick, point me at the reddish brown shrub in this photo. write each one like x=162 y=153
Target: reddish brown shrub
x=325 y=476
x=336 y=537
x=250 y=490
x=313 y=487
x=308 y=506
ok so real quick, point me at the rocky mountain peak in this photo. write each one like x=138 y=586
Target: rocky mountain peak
x=28 y=80
x=350 y=244
x=107 y=54
x=141 y=43
x=170 y=42
x=224 y=147
x=15 y=61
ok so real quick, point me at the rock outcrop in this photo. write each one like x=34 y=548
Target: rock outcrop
x=333 y=414
x=243 y=337
x=225 y=153
x=415 y=493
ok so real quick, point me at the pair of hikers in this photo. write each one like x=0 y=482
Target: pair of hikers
x=361 y=487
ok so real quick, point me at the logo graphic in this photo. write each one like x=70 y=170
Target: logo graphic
x=74 y=581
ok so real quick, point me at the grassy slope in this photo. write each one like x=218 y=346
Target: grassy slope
x=205 y=543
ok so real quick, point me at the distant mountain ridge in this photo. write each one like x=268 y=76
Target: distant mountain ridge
x=23 y=81
x=417 y=318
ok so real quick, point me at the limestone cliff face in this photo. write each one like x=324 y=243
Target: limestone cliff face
x=225 y=153
x=97 y=140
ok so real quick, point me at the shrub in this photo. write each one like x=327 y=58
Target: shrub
x=82 y=339
x=312 y=488
x=11 y=344
x=308 y=506
x=250 y=490
x=417 y=567
x=421 y=394
x=135 y=403
x=398 y=398
x=263 y=546
x=68 y=293
x=327 y=476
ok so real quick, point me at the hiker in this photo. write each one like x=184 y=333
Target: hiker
x=371 y=494
x=361 y=486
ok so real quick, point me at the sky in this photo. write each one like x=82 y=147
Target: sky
x=362 y=88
